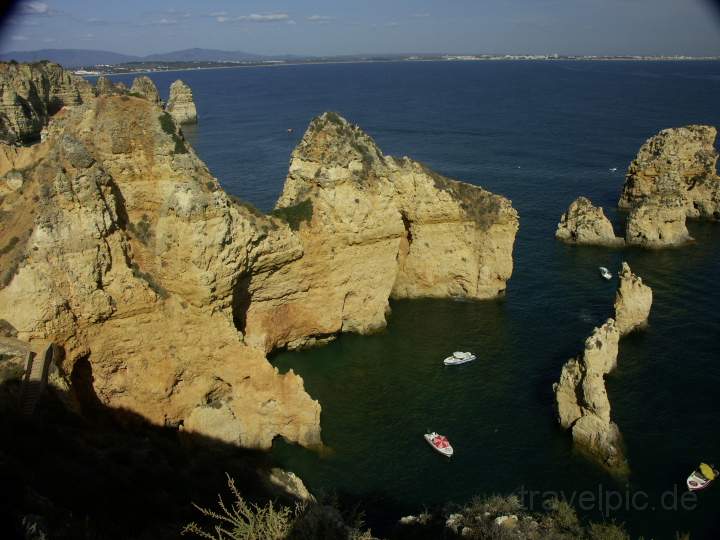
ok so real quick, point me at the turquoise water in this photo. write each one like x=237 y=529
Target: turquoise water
x=541 y=134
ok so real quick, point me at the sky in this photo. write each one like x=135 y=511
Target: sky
x=335 y=27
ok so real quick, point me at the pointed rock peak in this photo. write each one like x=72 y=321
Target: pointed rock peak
x=144 y=86
x=335 y=142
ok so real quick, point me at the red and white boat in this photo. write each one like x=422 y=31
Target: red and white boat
x=439 y=443
x=702 y=477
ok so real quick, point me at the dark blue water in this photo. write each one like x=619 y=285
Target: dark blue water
x=541 y=134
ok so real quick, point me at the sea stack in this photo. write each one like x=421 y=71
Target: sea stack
x=673 y=177
x=586 y=224
x=633 y=301
x=181 y=105
x=582 y=400
x=144 y=86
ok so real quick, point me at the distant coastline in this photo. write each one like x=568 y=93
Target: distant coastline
x=152 y=67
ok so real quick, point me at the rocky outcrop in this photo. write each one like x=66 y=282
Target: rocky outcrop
x=582 y=401
x=181 y=105
x=673 y=177
x=105 y=87
x=658 y=223
x=370 y=227
x=31 y=93
x=632 y=301
x=164 y=293
x=121 y=248
x=144 y=87
x=586 y=224
x=678 y=162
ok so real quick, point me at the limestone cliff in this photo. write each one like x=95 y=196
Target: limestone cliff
x=371 y=227
x=144 y=87
x=164 y=293
x=31 y=93
x=119 y=245
x=632 y=301
x=586 y=224
x=181 y=105
x=680 y=162
x=105 y=87
x=582 y=401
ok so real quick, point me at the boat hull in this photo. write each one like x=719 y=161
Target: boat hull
x=447 y=452
x=697 y=483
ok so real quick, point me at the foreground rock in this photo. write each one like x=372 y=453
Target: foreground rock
x=632 y=301
x=582 y=401
x=585 y=224
x=369 y=227
x=181 y=105
x=31 y=93
x=164 y=293
x=144 y=87
x=680 y=162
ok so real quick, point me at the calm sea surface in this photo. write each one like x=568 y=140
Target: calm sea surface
x=540 y=134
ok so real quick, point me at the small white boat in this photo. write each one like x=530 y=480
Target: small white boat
x=613 y=169
x=459 y=358
x=605 y=273
x=702 y=477
x=439 y=443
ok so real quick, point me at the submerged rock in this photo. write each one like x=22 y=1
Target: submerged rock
x=586 y=224
x=582 y=401
x=31 y=93
x=145 y=87
x=180 y=105
x=632 y=301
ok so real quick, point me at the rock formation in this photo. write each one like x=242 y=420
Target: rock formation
x=632 y=301
x=165 y=293
x=582 y=401
x=680 y=162
x=180 y=104
x=369 y=227
x=31 y=93
x=672 y=178
x=658 y=223
x=586 y=224
x=105 y=87
x=144 y=87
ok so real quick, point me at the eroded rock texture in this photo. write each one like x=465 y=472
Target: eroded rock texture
x=31 y=93
x=144 y=87
x=632 y=301
x=181 y=105
x=368 y=227
x=586 y=224
x=165 y=293
x=673 y=177
x=582 y=400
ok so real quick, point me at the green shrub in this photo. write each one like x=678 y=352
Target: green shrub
x=243 y=521
x=296 y=214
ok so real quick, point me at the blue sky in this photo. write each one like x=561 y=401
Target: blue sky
x=369 y=26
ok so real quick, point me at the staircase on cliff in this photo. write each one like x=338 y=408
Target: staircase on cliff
x=35 y=379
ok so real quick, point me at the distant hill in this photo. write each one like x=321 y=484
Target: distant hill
x=73 y=58
x=70 y=57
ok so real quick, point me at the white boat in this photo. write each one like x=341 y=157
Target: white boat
x=702 y=477
x=613 y=169
x=439 y=443
x=459 y=358
x=604 y=272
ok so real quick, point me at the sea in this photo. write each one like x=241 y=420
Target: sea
x=541 y=134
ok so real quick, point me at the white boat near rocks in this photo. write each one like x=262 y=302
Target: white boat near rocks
x=459 y=358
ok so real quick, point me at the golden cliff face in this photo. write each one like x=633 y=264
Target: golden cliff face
x=119 y=245
x=373 y=227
